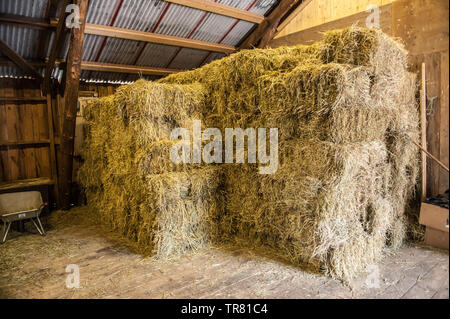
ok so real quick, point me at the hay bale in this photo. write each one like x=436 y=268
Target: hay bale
x=323 y=199
x=129 y=177
x=346 y=111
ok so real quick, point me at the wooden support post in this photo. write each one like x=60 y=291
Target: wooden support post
x=51 y=135
x=71 y=99
x=56 y=46
x=423 y=116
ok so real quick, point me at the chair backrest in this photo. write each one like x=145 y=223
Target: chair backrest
x=19 y=202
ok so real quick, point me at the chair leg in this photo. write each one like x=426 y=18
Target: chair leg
x=5 y=230
x=38 y=226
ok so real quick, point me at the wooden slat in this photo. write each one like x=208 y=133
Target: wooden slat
x=122 y=33
x=423 y=124
x=5 y=174
x=23 y=21
x=443 y=134
x=18 y=60
x=20 y=100
x=266 y=30
x=12 y=133
x=53 y=167
x=23 y=142
x=217 y=8
x=8 y=62
x=32 y=182
x=108 y=67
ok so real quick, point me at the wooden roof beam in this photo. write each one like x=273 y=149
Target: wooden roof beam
x=121 y=33
x=222 y=9
x=105 y=67
x=23 y=21
x=121 y=68
x=26 y=67
x=266 y=30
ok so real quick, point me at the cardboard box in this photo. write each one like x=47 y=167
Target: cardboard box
x=435 y=218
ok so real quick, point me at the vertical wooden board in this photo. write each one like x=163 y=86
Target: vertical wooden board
x=110 y=90
x=13 y=153
x=4 y=167
x=433 y=79
x=37 y=137
x=56 y=114
x=45 y=161
x=20 y=129
x=27 y=129
x=4 y=160
x=101 y=91
x=60 y=106
x=11 y=127
x=444 y=118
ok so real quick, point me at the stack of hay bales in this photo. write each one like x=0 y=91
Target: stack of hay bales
x=165 y=208
x=345 y=111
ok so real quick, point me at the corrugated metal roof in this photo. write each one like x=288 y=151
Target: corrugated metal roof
x=29 y=8
x=152 y=16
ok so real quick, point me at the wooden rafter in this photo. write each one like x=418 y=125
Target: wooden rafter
x=71 y=98
x=266 y=30
x=34 y=63
x=217 y=8
x=35 y=23
x=56 y=46
x=121 y=68
x=105 y=67
x=26 y=67
x=115 y=32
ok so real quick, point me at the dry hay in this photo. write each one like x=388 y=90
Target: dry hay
x=324 y=201
x=129 y=178
x=346 y=111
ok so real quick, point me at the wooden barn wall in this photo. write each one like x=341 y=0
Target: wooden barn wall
x=27 y=123
x=423 y=25
x=20 y=123
x=318 y=12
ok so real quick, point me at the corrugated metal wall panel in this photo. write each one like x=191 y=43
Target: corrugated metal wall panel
x=29 y=8
x=22 y=40
x=188 y=59
x=90 y=46
x=120 y=51
x=156 y=55
x=139 y=15
x=101 y=11
x=179 y=21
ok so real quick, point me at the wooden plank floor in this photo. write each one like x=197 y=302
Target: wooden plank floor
x=28 y=270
